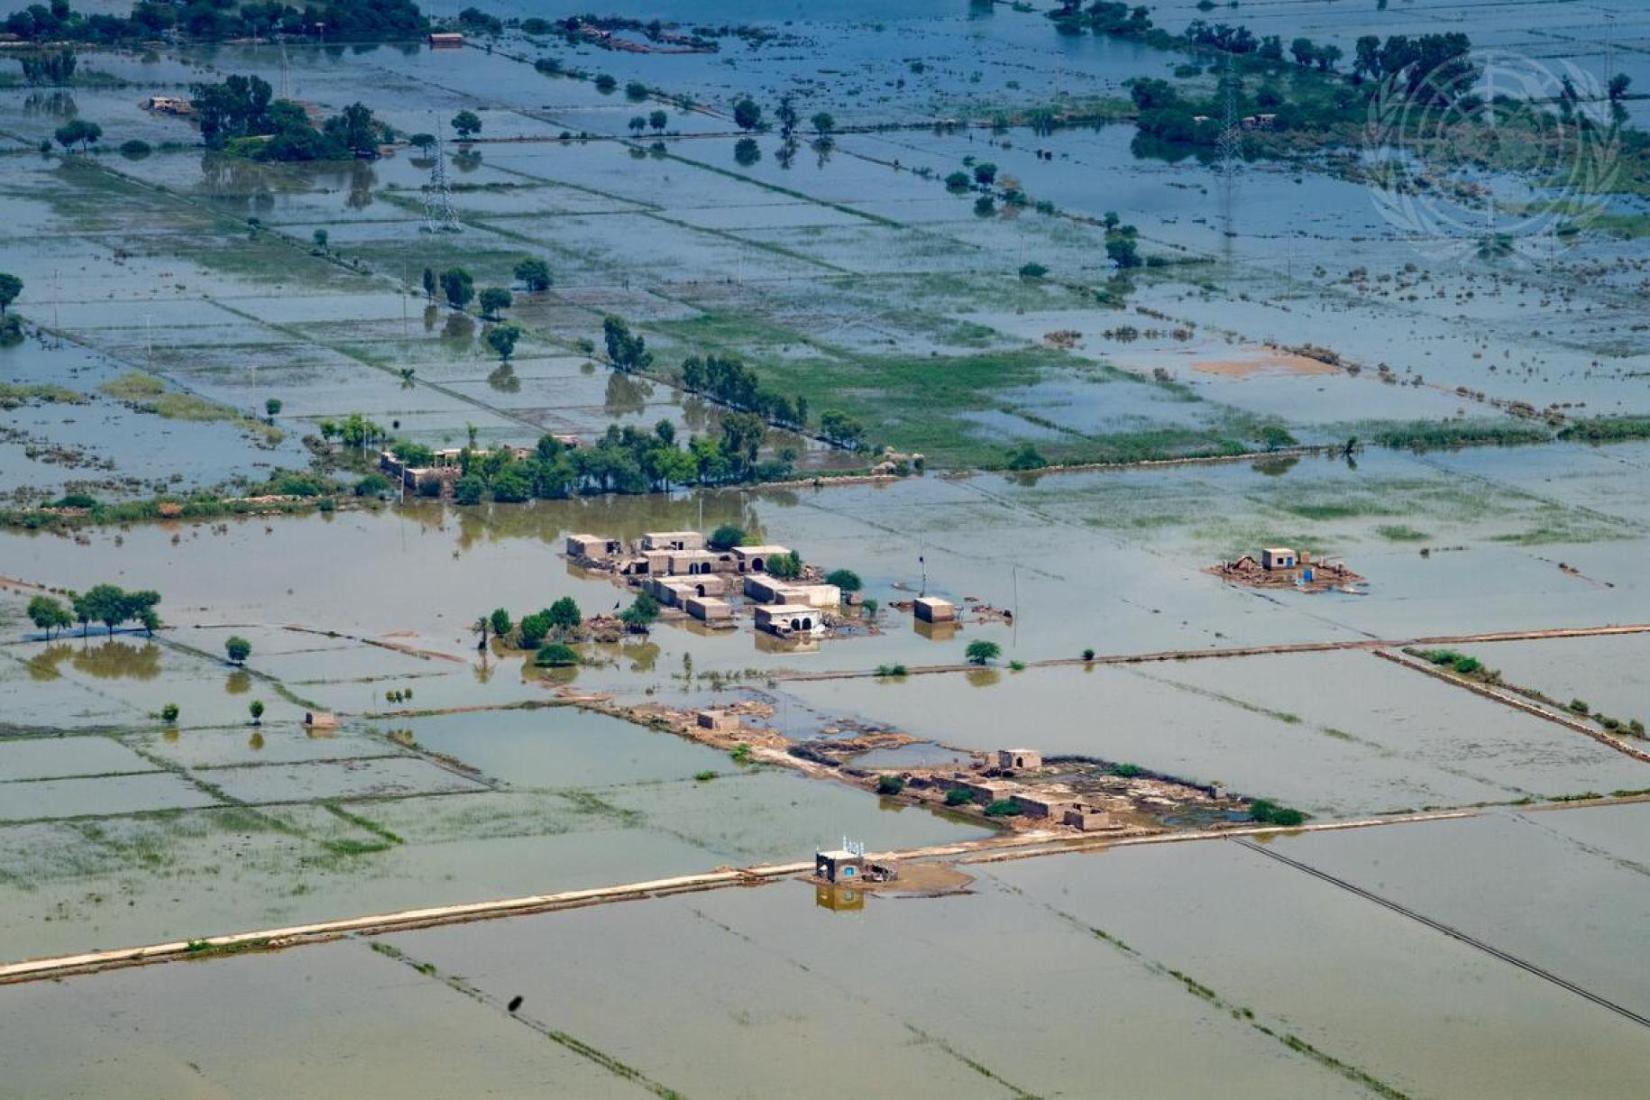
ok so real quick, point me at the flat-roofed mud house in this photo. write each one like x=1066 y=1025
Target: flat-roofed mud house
x=755 y=559
x=593 y=547
x=692 y=562
x=672 y=540
x=1019 y=758
x=785 y=619
x=709 y=610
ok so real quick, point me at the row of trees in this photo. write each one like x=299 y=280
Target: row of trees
x=217 y=20
x=104 y=603
x=726 y=380
x=625 y=460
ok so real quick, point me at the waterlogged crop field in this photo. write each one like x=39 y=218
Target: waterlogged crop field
x=1122 y=360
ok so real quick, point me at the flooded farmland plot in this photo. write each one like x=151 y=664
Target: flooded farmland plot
x=1153 y=501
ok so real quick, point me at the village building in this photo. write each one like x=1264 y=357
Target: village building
x=669 y=591
x=983 y=791
x=446 y=40
x=718 y=720
x=768 y=589
x=593 y=547
x=1277 y=557
x=840 y=865
x=676 y=591
x=755 y=559
x=1019 y=758
x=709 y=610
x=787 y=618
x=693 y=562
x=672 y=540
x=169 y=105
x=1041 y=804
x=932 y=609
x=1086 y=818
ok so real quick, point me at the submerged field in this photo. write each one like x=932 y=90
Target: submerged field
x=211 y=349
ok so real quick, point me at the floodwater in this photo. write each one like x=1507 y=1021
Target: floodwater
x=846 y=273
x=1169 y=969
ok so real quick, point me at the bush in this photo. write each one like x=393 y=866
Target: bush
x=1128 y=771
x=1026 y=457
x=1580 y=706
x=238 y=649
x=1017 y=666
x=533 y=629
x=556 y=655
x=1003 y=807
x=1032 y=270
x=890 y=784
x=705 y=776
x=1270 y=813
x=1088 y=654
x=564 y=614
x=468 y=490
x=726 y=537
x=373 y=485
x=169 y=713
x=845 y=579
x=956 y=796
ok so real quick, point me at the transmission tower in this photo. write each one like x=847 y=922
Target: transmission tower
x=1230 y=140
x=439 y=216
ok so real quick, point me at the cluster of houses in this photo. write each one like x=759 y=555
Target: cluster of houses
x=680 y=570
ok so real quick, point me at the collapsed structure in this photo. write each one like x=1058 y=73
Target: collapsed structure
x=1282 y=567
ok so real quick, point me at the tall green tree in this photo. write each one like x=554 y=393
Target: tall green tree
x=534 y=274
x=494 y=299
x=467 y=123
x=458 y=286
x=10 y=287
x=49 y=614
x=107 y=604
x=502 y=339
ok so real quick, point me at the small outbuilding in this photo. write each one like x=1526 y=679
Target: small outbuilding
x=839 y=865
x=1019 y=758
x=709 y=610
x=446 y=40
x=932 y=609
x=672 y=540
x=718 y=720
x=785 y=619
x=1277 y=557
x=1038 y=804
x=755 y=559
x=593 y=547
x=1086 y=818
